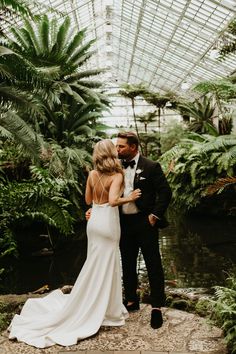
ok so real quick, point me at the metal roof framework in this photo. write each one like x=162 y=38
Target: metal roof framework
x=161 y=43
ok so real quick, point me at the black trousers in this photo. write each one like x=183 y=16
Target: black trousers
x=137 y=233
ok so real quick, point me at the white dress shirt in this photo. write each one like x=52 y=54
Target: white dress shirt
x=130 y=208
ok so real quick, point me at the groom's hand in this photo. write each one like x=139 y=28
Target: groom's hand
x=88 y=214
x=152 y=219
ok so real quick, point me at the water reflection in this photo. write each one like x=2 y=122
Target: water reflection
x=196 y=252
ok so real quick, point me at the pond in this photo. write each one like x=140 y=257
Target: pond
x=196 y=252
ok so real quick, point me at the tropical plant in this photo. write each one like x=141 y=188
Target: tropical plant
x=59 y=52
x=146 y=119
x=12 y=12
x=11 y=9
x=160 y=102
x=131 y=92
x=70 y=120
x=61 y=103
x=202 y=112
x=223 y=310
x=18 y=81
x=196 y=163
x=42 y=198
x=49 y=108
x=228 y=41
x=151 y=144
x=222 y=91
x=171 y=135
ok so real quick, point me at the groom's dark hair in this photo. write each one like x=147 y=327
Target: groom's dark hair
x=131 y=137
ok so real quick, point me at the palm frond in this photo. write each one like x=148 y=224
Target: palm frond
x=21 y=132
x=62 y=36
x=18 y=6
x=81 y=55
x=44 y=33
x=85 y=73
x=75 y=43
x=220 y=185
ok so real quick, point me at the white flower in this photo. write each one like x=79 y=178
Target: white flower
x=138 y=171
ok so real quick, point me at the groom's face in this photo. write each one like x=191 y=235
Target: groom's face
x=125 y=151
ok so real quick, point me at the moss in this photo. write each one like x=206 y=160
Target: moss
x=202 y=307
x=181 y=304
x=5 y=319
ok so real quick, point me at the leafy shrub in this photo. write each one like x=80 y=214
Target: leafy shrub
x=223 y=310
x=197 y=162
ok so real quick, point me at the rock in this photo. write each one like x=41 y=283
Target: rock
x=181 y=332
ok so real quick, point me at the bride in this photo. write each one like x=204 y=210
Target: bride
x=96 y=297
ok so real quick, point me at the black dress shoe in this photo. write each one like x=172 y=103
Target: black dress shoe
x=156 y=319
x=133 y=307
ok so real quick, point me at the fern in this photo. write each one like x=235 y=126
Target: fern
x=197 y=164
x=223 y=310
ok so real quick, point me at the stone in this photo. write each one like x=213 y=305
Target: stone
x=181 y=333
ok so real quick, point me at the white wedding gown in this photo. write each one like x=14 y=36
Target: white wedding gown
x=95 y=300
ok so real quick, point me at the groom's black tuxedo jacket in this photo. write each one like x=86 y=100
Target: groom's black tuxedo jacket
x=156 y=192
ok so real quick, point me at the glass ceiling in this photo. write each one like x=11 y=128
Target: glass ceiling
x=163 y=43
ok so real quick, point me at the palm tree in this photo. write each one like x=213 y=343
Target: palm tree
x=131 y=92
x=146 y=119
x=160 y=102
x=69 y=120
x=59 y=53
x=52 y=78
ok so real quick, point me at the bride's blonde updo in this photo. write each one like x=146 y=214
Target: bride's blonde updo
x=105 y=157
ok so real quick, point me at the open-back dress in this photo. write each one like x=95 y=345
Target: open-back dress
x=96 y=297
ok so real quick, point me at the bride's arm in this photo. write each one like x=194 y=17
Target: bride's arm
x=88 y=191
x=115 y=191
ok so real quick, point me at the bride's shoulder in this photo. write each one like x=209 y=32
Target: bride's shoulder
x=93 y=173
x=117 y=176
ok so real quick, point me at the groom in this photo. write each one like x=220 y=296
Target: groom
x=140 y=221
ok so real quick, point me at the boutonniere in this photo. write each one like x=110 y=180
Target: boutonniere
x=137 y=174
x=138 y=171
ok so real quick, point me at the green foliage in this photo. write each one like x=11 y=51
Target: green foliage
x=151 y=144
x=202 y=113
x=15 y=7
x=58 y=52
x=229 y=41
x=40 y=199
x=156 y=99
x=223 y=89
x=173 y=133
x=223 y=310
x=132 y=91
x=197 y=162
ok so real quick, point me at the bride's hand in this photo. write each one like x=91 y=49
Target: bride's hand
x=135 y=194
x=88 y=214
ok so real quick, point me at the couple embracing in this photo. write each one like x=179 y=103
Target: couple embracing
x=128 y=206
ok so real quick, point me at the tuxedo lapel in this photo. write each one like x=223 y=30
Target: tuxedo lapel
x=139 y=170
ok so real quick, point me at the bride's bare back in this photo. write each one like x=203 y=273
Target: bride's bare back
x=100 y=184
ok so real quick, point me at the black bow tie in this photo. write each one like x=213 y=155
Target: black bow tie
x=131 y=163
